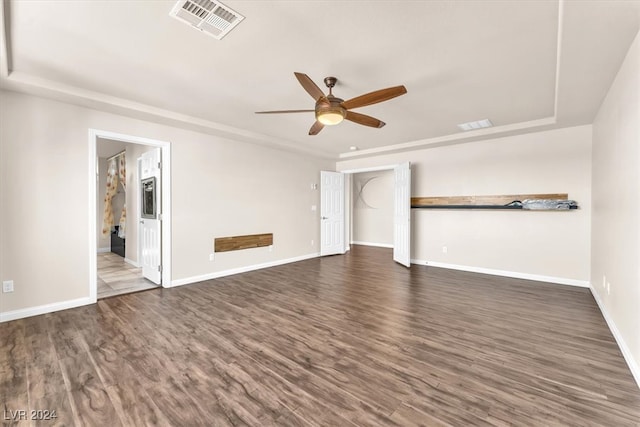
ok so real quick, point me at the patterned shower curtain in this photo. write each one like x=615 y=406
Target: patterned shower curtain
x=112 y=187
x=122 y=174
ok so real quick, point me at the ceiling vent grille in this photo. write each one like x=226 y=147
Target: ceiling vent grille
x=480 y=124
x=210 y=17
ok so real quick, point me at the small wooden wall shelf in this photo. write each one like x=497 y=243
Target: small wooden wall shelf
x=235 y=243
x=480 y=202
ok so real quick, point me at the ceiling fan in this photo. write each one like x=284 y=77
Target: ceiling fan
x=331 y=110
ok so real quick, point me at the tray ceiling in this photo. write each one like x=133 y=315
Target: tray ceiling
x=521 y=64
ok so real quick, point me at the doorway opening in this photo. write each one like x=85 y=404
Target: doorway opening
x=371 y=222
x=130 y=241
x=395 y=212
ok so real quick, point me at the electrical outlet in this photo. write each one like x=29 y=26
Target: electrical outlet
x=7 y=286
x=212 y=257
x=312 y=242
x=270 y=248
x=608 y=288
x=444 y=249
x=314 y=208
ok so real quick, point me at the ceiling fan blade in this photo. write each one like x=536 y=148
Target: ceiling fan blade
x=308 y=85
x=316 y=128
x=365 y=120
x=285 y=111
x=374 y=97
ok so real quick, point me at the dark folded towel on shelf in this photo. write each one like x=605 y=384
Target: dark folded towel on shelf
x=549 y=204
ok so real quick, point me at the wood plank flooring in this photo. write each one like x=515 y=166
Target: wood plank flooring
x=352 y=340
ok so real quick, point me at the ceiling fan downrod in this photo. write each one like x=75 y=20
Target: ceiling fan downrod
x=330 y=82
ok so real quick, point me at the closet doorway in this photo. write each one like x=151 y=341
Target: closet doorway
x=379 y=209
x=372 y=211
x=122 y=247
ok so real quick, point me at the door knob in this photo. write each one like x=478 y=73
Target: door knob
x=325 y=217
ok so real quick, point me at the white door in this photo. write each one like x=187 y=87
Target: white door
x=402 y=215
x=150 y=222
x=331 y=213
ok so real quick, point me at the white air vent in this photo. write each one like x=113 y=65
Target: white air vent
x=480 y=124
x=210 y=17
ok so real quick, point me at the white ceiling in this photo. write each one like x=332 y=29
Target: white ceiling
x=459 y=60
x=108 y=147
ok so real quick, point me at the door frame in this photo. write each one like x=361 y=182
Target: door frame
x=165 y=146
x=349 y=218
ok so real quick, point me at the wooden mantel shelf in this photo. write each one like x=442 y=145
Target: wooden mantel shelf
x=481 y=202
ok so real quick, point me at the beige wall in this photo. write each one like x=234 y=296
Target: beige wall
x=551 y=244
x=372 y=218
x=220 y=187
x=45 y=225
x=615 y=256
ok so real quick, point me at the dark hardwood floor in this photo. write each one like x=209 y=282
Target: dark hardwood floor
x=337 y=341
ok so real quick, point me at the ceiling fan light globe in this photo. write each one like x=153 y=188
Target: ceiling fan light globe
x=330 y=118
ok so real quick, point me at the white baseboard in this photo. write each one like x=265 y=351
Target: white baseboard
x=634 y=366
x=504 y=273
x=230 y=272
x=377 y=245
x=129 y=261
x=103 y=250
x=43 y=309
